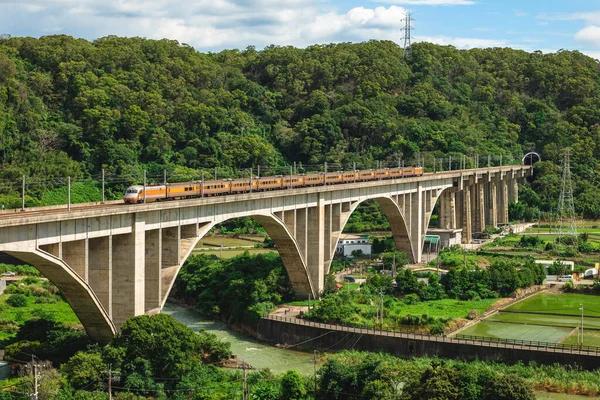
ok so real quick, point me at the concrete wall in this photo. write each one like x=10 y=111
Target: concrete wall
x=332 y=337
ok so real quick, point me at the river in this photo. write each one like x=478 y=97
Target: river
x=252 y=351
x=261 y=355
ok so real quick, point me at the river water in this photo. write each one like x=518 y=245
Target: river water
x=261 y=355
x=252 y=351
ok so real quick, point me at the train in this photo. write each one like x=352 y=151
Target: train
x=183 y=190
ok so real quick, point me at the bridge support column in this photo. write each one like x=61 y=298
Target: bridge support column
x=492 y=213
x=417 y=212
x=502 y=193
x=513 y=190
x=315 y=254
x=100 y=270
x=478 y=208
x=447 y=216
x=75 y=255
x=466 y=215
x=153 y=259
x=128 y=273
x=170 y=257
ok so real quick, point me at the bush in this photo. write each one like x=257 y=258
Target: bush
x=437 y=328
x=17 y=300
x=411 y=299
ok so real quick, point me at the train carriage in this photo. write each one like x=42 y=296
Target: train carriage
x=297 y=181
x=313 y=180
x=135 y=194
x=367 y=175
x=241 y=185
x=269 y=182
x=334 y=177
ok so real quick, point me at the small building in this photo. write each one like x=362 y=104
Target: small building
x=569 y=265
x=447 y=237
x=349 y=244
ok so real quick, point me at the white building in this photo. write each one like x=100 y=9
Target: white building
x=448 y=237
x=569 y=265
x=350 y=243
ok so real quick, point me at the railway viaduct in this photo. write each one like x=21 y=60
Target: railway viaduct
x=114 y=261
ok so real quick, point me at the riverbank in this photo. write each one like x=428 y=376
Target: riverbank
x=252 y=351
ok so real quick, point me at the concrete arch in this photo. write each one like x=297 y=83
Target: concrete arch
x=89 y=310
x=396 y=220
x=286 y=246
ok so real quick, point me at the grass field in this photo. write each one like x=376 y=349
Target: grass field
x=61 y=311
x=230 y=253
x=545 y=319
x=502 y=330
x=446 y=308
x=226 y=242
x=533 y=319
x=566 y=303
x=590 y=338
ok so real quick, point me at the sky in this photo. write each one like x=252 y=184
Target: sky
x=213 y=25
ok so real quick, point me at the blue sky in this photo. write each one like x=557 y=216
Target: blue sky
x=212 y=25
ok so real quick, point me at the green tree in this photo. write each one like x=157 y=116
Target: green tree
x=509 y=387
x=292 y=386
x=85 y=370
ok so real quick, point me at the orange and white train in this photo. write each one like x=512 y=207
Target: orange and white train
x=173 y=191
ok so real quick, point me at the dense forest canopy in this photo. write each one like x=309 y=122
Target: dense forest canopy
x=70 y=107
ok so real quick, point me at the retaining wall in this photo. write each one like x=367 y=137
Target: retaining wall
x=326 y=337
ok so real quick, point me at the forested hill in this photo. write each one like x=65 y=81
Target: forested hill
x=72 y=107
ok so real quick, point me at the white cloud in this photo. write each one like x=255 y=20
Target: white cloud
x=217 y=24
x=461 y=42
x=589 y=35
x=520 y=13
x=591 y=17
x=430 y=2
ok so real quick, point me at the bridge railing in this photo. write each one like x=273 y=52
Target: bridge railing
x=458 y=339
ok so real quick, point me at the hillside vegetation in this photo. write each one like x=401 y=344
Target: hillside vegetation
x=69 y=107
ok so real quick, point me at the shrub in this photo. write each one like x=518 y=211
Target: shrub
x=411 y=299
x=437 y=328
x=17 y=300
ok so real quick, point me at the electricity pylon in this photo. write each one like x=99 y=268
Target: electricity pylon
x=567 y=227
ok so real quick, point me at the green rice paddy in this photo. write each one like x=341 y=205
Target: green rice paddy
x=545 y=317
x=533 y=333
x=590 y=338
x=566 y=303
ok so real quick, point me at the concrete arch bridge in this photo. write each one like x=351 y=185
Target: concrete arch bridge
x=115 y=261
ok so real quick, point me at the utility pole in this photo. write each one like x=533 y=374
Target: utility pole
x=23 y=195
x=244 y=388
x=69 y=193
x=102 y=185
x=581 y=309
x=315 y=370
x=381 y=308
x=109 y=381
x=309 y=302
x=250 y=180
x=35 y=378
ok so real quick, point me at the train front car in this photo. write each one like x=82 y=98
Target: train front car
x=132 y=194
